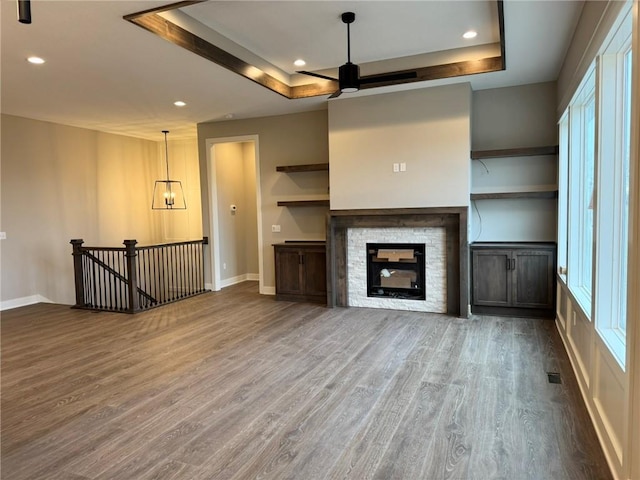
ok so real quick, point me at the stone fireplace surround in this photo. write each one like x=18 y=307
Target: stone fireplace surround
x=433 y=275
x=454 y=221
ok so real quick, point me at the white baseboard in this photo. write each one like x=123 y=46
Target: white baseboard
x=254 y=277
x=23 y=302
x=239 y=279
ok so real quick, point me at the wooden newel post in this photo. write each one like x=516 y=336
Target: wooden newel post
x=132 y=277
x=77 y=271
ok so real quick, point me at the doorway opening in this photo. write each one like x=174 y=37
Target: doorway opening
x=234 y=211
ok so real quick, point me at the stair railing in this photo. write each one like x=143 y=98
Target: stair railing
x=131 y=279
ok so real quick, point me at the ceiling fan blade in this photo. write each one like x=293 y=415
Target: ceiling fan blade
x=387 y=78
x=335 y=94
x=317 y=75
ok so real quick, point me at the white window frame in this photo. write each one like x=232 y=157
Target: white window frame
x=563 y=195
x=612 y=166
x=579 y=280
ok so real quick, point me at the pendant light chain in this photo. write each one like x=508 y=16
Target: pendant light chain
x=166 y=152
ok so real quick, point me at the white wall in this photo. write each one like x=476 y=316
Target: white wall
x=427 y=129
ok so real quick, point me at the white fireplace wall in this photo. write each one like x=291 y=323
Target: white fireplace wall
x=434 y=239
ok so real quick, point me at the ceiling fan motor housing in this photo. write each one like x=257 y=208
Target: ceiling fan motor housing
x=349 y=75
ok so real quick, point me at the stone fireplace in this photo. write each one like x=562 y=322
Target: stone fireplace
x=442 y=231
x=431 y=277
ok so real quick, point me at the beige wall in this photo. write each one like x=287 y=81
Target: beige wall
x=282 y=140
x=180 y=225
x=522 y=116
x=595 y=21
x=427 y=129
x=235 y=178
x=251 y=209
x=60 y=183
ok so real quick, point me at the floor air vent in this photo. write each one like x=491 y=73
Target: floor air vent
x=554 y=377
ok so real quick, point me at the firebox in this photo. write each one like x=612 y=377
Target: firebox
x=396 y=270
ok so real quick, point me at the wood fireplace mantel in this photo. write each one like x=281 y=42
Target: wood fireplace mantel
x=453 y=219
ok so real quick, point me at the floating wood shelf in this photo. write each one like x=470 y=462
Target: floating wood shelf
x=303 y=203
x=514 y=152
x=311 y=167
x=532 y=194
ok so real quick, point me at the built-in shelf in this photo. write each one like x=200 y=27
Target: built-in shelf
x=518 y=194
x=308 y=167
x=303 y=203
x=311 y=167
x=514 y=152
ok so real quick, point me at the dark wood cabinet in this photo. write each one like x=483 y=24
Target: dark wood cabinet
x=301 y=271
x=516 y=279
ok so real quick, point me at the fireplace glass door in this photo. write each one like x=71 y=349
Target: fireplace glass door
x=396 y=270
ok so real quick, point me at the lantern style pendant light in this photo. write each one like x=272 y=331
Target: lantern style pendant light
x=168 y=194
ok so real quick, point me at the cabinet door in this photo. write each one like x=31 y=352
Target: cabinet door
x=315 y=272
x=491 y=277
x=533 y=278
x=288 y=277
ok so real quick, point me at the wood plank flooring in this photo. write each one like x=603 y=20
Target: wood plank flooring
x=234 y=385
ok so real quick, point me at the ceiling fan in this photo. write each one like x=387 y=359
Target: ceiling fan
x=349 y=79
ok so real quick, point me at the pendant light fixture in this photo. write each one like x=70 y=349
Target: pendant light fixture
x=168 y=194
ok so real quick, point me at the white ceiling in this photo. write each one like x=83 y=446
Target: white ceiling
x=104 y=73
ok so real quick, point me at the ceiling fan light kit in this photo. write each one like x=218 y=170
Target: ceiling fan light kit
x=349 y=79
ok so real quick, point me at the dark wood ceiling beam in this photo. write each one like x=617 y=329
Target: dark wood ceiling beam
x=448 y=70
x=151 y=20
x=165 y=8
x=501 y=33
x=187 y=40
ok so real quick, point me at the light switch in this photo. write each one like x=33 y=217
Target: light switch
x=396 y=168
x=275 y=228
x=403 y=167
x=3 y=235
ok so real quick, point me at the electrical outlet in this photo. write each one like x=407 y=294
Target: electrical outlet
x=3 y=235
x=224 y=266
x=403 y=167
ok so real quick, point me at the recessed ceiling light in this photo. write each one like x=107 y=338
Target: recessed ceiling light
x=299 y=63
x=35 y=60
x=470 y=34
x=179 y=103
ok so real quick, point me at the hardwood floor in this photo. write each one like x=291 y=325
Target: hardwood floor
x=233 y=385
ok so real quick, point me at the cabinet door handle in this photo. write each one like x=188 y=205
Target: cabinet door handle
x=508 y=264
x=513 y=264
